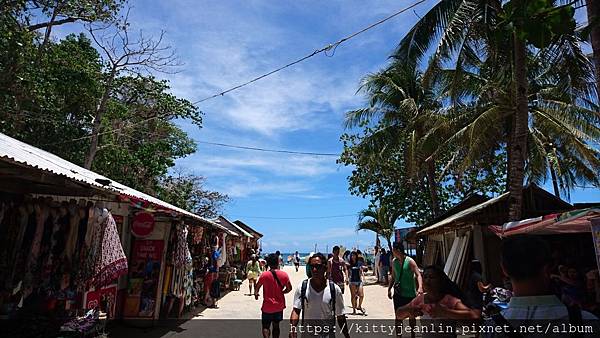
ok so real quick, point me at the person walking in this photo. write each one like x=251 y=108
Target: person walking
x=404 y=273
x=297 y=261
x=275 y=284
x=526 y=260
x=384 y=266
x=376 y=258
x=278 y=253
x=337 y=271
x=253 y=270
x=356 y=282
x=319 y=301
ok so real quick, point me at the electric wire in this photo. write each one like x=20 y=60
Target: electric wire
x=318 y=51
x=298 y=218
x=222 y=93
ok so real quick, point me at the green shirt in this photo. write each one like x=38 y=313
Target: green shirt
x=405 y=277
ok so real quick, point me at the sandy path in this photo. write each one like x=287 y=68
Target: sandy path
x=237 y=305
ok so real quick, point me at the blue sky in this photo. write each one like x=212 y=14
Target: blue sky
x=223 y=43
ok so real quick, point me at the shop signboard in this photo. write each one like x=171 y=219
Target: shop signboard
x=596 y=236
x=143 y=224
x=144 y=274
x=106 y=295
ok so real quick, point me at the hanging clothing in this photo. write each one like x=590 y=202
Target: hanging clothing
x=74 y=219
x=110 y=260
x=223 y=259
x=181 y=253
x=197 y=233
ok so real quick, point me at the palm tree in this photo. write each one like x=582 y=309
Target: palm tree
x=563 y=119
x=475 y=37
x=379 y=219
x=405 y=110
x=593 y=15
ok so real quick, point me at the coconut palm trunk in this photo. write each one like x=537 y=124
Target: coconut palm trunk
x=516 y=166
x=432 y=184
x=593 y=14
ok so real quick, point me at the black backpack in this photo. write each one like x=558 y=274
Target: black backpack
x=331 y=302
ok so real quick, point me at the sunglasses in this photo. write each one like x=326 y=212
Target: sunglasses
x=318 y=266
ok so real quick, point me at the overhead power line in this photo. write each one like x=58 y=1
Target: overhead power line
x=318 y=51
x=299 y=218
x=267 y=150
x=325 y=49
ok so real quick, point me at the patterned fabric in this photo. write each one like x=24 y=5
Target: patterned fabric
x=196 y=236
x=109 y=260
x=181 y=254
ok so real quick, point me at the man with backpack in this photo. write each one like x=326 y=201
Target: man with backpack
x=275 y=284
x=319 y=302
x=526 y=259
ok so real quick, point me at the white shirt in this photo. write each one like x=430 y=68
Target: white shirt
x=539 y=307
x=542 y=309
x=317 y=304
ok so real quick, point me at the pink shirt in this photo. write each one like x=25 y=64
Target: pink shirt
x=448 y=302
x=273 y=298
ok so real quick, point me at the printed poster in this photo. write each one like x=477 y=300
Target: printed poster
x=144 y=276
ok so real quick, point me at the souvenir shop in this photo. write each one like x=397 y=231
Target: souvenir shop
x=60 y=261
x=252 y=244
x=236 y=242
x=463 y=233
x=77 y=248
x=574 y=239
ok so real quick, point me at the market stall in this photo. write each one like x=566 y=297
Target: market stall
x=77 y=248
x=574 y=238
x=464 y=233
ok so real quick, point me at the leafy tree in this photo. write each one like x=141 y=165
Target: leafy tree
x=381 y=176
x=405 y=109
x=188 y=192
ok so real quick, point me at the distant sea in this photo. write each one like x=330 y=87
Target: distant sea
x=303 y=256
x=285 y=256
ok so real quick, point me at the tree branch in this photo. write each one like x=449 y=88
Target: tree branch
x=55 y=23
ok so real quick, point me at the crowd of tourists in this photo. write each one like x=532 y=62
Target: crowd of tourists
x=426 y=293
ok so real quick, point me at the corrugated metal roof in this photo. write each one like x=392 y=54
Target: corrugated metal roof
x=15 y=151
x=462 y=214
x=232 y=226
x=246 y=227
x=231 y=229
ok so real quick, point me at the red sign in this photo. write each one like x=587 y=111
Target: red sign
x=143 y=224
x=107 y=295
